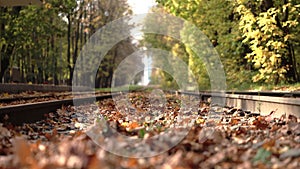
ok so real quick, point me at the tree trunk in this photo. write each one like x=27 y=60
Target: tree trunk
x=4 y=58
x=4 y=65
x=55 y=72
x=290 y=55
x=70 y=67
x=77 y=36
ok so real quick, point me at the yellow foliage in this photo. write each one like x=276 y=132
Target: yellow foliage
x=48 y=6
x=265 y=38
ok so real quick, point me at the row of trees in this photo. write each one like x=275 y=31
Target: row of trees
x=45 y=41
x=257 y=40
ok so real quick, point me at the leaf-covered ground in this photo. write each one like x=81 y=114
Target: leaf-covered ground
x=31 y=97
x=70 y=138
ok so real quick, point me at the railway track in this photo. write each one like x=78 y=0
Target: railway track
x=292 y=94
x=43 y=95
x=31 y=112
x=232 y=137
x=256 y=101
x=12 y=99
x=260 y=102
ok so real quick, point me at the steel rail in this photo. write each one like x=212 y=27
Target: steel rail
x=46 y=95
x=294 y=94
x=260 y=102
x=31 y=112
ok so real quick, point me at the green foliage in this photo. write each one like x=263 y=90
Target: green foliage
x=262 y=156
x=142 y=133
x=175 y=48
x=215 y=19
x=30 y=45
x=44 y=41
x=256 y=40
x=268 y=30
x=122 y=88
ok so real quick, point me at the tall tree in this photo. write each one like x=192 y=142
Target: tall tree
x=8 y=37
x=269 y=27
x=261 y=32
x=215 y=18
x=68 y=9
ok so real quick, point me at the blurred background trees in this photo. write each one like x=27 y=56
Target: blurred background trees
x=43 y=42
x=257 y=40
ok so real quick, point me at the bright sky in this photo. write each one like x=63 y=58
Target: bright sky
x=141 y=6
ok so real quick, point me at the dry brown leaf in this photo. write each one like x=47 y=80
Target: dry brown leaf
x=261 y=123
x=94 y=163
x=234 y=121
x=269 y=144
x=294 y=127
x=216 y=158
x=173 y=160
x=292 y=118
x=133 y=125
x=23 y=153
x=130 y=163
x=274 y=128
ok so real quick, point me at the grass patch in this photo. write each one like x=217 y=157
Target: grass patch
x=121 y=88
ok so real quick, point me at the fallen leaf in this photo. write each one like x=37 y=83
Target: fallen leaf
x=94 y=163
x=216 y=158
x=23 y=153
x=262 y=155
x=294 y=127
x=173 y=161
x=269 y=144
x=133 y=125
x=261 y=123
x=292 y=118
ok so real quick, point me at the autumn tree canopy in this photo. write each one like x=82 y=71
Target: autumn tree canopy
x=258 y=41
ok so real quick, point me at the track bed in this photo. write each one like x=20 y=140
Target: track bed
x=217 y=137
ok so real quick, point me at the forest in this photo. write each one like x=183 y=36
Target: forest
x=41 y=43
x=257 y=40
